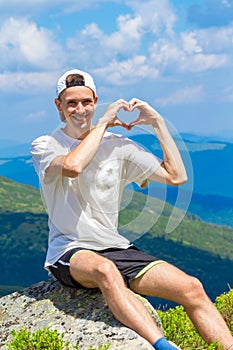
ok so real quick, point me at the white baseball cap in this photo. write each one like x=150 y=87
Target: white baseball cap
x=62 y=83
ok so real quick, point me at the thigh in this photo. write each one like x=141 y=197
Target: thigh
x=163 y=281
x=83 y=267
x=131 y=262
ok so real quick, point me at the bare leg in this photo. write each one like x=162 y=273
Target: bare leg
x=166 y=281
x=92 y=270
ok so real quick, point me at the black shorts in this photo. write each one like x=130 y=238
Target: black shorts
x=131 y=262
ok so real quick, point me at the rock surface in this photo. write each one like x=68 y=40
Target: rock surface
x=82 y=315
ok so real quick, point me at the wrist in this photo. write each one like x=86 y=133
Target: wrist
x=158 y=122
x=102 y=122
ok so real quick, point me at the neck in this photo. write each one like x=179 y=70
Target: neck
x=78 y=134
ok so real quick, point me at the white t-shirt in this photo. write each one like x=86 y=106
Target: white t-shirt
x=83 y=211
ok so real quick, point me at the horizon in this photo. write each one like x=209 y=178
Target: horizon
x=186 y=137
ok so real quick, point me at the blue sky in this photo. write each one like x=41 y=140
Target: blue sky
x=177 y=55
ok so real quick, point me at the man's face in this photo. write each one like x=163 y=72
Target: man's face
x=77 y=104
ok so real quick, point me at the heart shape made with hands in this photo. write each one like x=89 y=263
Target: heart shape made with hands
x=127 y=117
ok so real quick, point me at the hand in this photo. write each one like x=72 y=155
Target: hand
x=110 y=117
x=148 y=115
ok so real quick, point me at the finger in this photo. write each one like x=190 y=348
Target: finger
x=117 y=122
x=134 y=103
x=123 y=104
x=135 y=122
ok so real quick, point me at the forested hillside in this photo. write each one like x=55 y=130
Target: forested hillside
x=199 y=248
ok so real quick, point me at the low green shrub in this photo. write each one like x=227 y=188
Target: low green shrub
x=42 y=339
x=224 y=304
x=179 y=329
x=45 y=339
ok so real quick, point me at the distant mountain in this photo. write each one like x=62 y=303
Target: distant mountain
x=210 y=160
x=200 y=249
x=11 y=148
x=210 y=208
x=211 y=163
x=19 y=169
x=13 y=151
x=225 y=137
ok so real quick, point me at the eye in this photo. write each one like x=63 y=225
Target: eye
x=87 y=101
x=71 y=103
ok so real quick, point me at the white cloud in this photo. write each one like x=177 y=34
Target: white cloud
x=126 y=72
x=194 y=51
x=157 y=16
x=27 y=82
x=216 y=40
x=227 y=3
x=69 y=6
x=190 y=43
x=151 y=18
x=149 y=32
x=36 y=117
x=20 y=7
x=125 y=42
x=85 y=48
x=206 y=49
x=183 y=96
x=201 y=62
x=23 y=44
x=128 y=38
x=144 y=45
x=11 y=3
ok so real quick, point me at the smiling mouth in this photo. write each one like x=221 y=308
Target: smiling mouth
x=79 y=118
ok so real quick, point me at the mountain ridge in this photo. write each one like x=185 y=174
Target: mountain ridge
x=208 y=159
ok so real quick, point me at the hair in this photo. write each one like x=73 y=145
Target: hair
x=74 y=80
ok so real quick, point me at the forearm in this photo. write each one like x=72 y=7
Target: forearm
x=79 y=158
x=173 y=163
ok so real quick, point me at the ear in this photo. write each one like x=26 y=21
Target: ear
x=58 y=104
x=95 y=101
x=60 y=110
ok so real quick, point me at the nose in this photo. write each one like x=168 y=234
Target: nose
x=79 y=107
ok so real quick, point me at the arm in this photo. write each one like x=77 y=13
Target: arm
x=72 y=164
x=171 y=170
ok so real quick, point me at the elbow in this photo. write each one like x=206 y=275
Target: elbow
x=71 y=170
x=180 y=179
x=180 y=182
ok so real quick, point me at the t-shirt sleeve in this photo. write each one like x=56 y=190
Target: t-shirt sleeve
x=44 y=149
x=140 y=164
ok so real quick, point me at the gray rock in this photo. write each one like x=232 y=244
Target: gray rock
x=81 y=314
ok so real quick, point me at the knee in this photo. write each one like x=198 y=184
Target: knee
x=194 y=292
x=106 y=274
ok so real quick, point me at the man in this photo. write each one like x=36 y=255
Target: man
x=83 y=170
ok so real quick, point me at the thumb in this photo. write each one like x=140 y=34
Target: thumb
x=117 y=122
x=135 y=122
